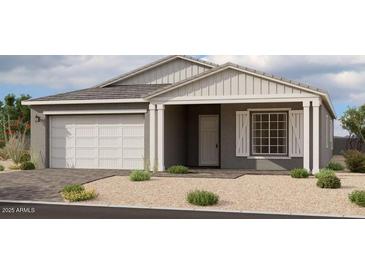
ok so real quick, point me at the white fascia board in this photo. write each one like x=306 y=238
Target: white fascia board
x=232 y=100
x=106 y=111
x=81 y=102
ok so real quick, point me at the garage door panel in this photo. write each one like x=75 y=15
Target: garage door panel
x=133 y=142
x=106 y=141
x=133 y=153
x=133 y=163
x=110 y=131
x=86 y=131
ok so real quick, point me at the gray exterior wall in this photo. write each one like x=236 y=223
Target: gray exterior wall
x=39 y=140
x=325 y=152
x=175 y=136
x=228 y=141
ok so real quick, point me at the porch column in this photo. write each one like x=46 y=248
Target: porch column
x=152 y=109
x=306 y=155
x=160 y=138
x=315 y=104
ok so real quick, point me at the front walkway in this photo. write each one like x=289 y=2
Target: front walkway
x=45 y=184
x=221 y=173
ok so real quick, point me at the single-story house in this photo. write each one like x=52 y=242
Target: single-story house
x=182 y=110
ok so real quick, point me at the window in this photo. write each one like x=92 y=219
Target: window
x=269 y=133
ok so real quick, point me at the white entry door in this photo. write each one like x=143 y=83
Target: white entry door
x=208 y=140
x=97 y=141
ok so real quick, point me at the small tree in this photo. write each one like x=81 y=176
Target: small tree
x=353 y=120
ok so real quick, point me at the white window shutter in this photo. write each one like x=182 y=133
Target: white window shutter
x=242 y=133
x=296 y=132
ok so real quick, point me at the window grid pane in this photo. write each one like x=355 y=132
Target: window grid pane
x=269 y=133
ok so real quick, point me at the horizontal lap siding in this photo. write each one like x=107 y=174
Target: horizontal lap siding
x=232 y=83
x=169 y=73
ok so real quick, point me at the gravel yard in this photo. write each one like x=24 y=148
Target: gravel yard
x=280 y=193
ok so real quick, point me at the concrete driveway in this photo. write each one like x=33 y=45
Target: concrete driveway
x=45 y=184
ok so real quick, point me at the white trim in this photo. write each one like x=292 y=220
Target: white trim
x=151 y=66
x=160 y=138
x=230 y=100
x=199 y=133
x=74 y=102
x=152 y=165
x=106 y=111
x=269 y=157
x=306 y=143
x=268 y=109
x=315 y=106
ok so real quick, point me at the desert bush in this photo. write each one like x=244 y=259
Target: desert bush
x=25 y=157
x=140 y=175
x=73 y=187
x=329 y=181
x=357 y=197
x=2 y=168
x=202 y=198
x=325 y=172
x=178 y=169
x=299 y=173
x=3 y=154
x=15 y=148
x=76 y=193
x=355 y=161
x=76 y=196
x=27 y=166
x=335 y=166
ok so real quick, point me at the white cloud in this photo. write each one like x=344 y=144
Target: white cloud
x=65 y=72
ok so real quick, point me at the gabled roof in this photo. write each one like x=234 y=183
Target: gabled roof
x=116 y=92
x=156 y=64
x=253 y=72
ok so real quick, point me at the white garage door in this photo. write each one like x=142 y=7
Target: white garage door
x=97 y=141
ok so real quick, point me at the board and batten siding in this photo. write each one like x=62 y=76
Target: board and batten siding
x=233 y=83
x=175 y=71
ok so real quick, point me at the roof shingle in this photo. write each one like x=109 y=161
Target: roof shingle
x=115 y=92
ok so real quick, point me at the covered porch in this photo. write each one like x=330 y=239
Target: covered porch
x=211 y=135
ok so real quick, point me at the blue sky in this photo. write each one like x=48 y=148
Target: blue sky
x=342 y=76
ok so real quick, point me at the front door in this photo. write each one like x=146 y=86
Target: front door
x=209 y=140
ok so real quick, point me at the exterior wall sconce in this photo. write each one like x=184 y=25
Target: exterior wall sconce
x=38 y=119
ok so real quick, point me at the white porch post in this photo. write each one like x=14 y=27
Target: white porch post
x=306 y=155
x=160 y=138
x=152 y=109
x=315 y=104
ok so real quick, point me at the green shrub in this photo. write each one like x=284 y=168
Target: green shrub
x=2 y=168
x=76 y=192
x=358 y=197
x=27 y=166
x=299 y=173
x=73 y=188
x=178 y=169
x=202 y=198
x=335 y=166
x=140 y=175
x=355 y=161
x=325 y=172
x=329 y=181
x=25 y=157
x=76 y=196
